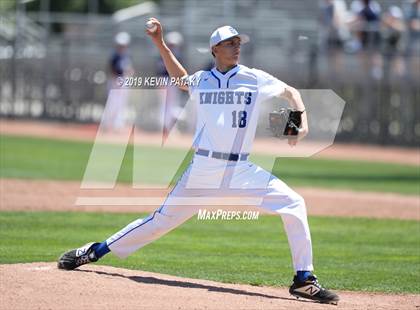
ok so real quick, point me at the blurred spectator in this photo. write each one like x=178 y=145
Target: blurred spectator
x=393 y=28
x=120 y=67
x=366 y=22
x=333 y=20
x=334 y=33
x=120 y=62
x=412 y=15
x=393 y=22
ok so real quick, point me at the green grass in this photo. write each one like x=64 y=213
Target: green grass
x=36 y=158
x=350 y=253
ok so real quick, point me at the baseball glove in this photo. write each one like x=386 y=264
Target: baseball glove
x=285 y=122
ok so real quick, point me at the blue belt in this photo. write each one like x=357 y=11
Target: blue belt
x=221 y=155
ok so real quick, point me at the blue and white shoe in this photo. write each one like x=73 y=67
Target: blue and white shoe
x=77 y=257
x=311 y=289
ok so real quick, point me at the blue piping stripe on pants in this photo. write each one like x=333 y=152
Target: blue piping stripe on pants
x=141 y=224
x=153 y=215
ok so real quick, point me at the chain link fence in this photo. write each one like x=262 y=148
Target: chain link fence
x=63 y=75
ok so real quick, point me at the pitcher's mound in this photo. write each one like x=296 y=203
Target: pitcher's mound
x=43 y=286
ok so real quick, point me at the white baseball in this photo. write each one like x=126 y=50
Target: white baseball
x=151 y=26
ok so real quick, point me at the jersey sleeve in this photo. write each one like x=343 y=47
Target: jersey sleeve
x=268 y=85
x=194 y=81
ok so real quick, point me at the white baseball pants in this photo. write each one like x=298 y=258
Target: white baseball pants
x=207 y=178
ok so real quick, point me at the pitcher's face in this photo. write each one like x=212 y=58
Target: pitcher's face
x=228 y=51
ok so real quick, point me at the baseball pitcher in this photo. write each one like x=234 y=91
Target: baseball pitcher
x=228 y=98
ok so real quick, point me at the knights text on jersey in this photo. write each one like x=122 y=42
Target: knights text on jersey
x=228 y=106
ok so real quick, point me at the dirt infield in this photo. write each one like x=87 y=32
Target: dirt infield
x=41 y=195
x=43 y=286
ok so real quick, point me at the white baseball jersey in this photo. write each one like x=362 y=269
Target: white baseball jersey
x=228 y=106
